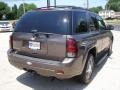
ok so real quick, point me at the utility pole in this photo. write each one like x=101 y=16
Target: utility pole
x=48 y=3
x=87 y=4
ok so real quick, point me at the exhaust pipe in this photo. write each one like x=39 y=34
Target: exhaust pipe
x=29 y=70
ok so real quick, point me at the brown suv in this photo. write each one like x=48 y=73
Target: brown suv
x=62 y=42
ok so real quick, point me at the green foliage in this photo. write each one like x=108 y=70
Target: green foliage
x=28 y=7
x=14 y=12
x=4 y=9
x=1 y=16
x=2 y=6
x=114 y=5
x=10 y=16
x=96 y=9
x=112 y=1
x=20 y=10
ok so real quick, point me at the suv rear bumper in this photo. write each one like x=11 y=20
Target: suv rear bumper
x=44 y=67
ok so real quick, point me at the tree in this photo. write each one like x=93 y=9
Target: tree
x=10 y=16
x=4 y=9
x=96 y=9
x=28 y=7
x=113 y=5
x=20 y=10
x=15 y=11
x=112 y=1
x=1 y=16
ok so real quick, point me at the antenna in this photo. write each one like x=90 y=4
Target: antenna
x=55 y=3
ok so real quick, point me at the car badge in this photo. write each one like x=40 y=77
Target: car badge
x=33 y=38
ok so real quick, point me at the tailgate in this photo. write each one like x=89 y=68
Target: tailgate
x=52 y=46
x=26 y=44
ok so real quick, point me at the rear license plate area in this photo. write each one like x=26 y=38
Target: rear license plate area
x=34 y=45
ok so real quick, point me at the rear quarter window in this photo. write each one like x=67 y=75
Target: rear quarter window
x=80 y=22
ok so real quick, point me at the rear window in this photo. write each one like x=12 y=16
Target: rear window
x=44 y=21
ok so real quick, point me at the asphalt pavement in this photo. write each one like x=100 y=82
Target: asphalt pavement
x=117 y=27
x=106 y=76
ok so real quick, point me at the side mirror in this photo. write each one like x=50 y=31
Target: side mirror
x=109 y=27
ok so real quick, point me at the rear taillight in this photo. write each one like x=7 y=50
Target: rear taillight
x=71 y=47
x=11 y=42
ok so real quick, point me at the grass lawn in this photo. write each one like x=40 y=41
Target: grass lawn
x=112 y=21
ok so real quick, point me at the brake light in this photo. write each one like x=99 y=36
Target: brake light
x=71 y=47
x=11 y=42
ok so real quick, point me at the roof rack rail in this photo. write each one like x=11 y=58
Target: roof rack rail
x=61 y=6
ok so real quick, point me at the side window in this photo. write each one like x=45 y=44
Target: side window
x=94 y=19
x=101 y=23
x=93 y=25
x=80 y=22
x=98 y=23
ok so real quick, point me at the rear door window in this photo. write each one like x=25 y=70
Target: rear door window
x=45 y=21
x=94 y=19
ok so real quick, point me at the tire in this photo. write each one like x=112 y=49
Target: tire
x=86 y=76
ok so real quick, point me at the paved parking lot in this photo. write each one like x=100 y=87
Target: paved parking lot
x=117 y=27
x=106 y=76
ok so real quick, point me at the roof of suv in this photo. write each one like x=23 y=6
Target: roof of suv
x=61 y=8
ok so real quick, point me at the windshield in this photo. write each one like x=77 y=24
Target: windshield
x=44 y=21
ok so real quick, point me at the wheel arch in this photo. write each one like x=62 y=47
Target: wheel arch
x=92 y=51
